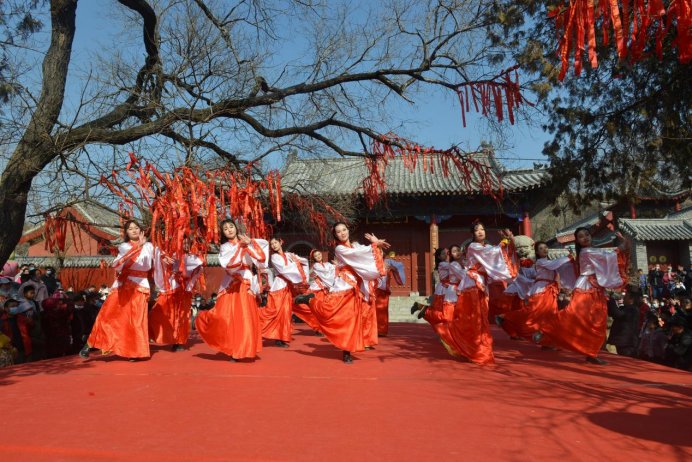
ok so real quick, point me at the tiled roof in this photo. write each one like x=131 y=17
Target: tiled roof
x=684 y=214
x=587 y=221
x=100 y=216
x=657 y=229
x=342 y=176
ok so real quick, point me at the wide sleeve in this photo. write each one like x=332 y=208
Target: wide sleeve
x=159 y=278
x=193 y=270
x=325 y=272
x=493 y=259
x=366 y=260
x=607 y=267
x=145 y=259
x=226 y=253
x=287 y=268
x=397 y=271
x=118 y=262
x=258 y=250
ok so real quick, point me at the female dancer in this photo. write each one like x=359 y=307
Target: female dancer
x=442 y=309
x=291 y=273
x=340 y=313
x=468 y=334
x=541 y=297
x=169 y=319
x=121 y=325
x=395 y=270
x=232 y=326
x=581 y=326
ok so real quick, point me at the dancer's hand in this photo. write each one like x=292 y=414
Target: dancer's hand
x=244 y=239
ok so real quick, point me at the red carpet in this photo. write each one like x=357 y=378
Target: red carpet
x=407 y=400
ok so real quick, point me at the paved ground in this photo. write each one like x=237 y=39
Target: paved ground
x=407 y=400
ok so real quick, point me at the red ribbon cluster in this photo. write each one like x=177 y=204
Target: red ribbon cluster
x=187 y=205
x=634 y=23
x=472 y=172
x=55 y=232
x=492 y=95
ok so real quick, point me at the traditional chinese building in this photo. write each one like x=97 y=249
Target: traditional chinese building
x=423 y=210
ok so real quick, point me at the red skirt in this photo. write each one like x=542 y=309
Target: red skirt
x=581 y=326
x=303 y=312
x=439 y=314
x=232 y=326
x=468 y=334
x=275 y=318
x=370 y=321
x=539 y=309
x=169 y=319
x=382 y=311
x=500 y=302
x=121 y=325
x=340 y=318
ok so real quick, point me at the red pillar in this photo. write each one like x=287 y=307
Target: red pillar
x=526 y=224
x=677 y=206
x=633 y=211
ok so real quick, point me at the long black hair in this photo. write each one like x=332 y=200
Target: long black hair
x=535 y=247
x=224 y=239
x=438 y=256
x=127 y=224
x=473 y=227
x=578 y=247
x=279 y=239
x=451 y=256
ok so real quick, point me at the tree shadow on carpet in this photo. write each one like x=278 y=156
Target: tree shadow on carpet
x=65 y=365
x=663 y=425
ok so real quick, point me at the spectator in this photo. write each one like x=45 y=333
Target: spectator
x=49 y=280
x=23 y=274
x=8 y=353
x=20 y=324
x=624 y=332
x=643 y=282
x=57 y=314
x=669 y=279
x=656 y=282
x=41 y=291
x=5 y=287
x=685 y=309
x=679 y=348
x=29 y=308
x=652 y=344
x=212 y=301
x=688 y=281
x=678 y=289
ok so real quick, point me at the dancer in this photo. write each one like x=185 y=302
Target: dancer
x=169 y=319
x=541 y=299
x=468 y=334
x=394 y=270
x=232 y=326
x=121 y=325
x=441 y=310
x=581 y=326
x=290 y=280
x=340 y=313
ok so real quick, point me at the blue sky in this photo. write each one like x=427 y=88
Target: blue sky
x=436 y=117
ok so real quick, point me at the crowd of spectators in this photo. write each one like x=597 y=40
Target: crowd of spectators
x=653 y=321
x=40 y=319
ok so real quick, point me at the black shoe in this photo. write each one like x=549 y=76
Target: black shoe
x=537 y=337
x=422 y=312
x=499 y=320
x=303 y=299
x=348 y=359
x=84 y=352
x=369 y=347
x=596 y=360
x=178 y=347
x=416 y=307
x=318 y=334
x=133 y=360
x=233 y=360
x=281 y=344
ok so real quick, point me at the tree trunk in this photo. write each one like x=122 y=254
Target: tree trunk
x=36 y=148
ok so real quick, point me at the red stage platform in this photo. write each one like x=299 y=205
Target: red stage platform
x=407 y=400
